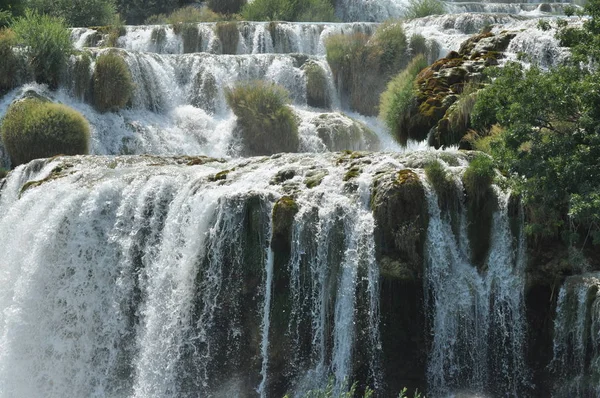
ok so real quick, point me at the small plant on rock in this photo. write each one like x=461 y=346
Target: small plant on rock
x=112 y=83
x=265 y=124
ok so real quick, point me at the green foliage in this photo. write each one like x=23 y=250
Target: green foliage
x=10 y=9
x=442 y=182
x=226 y=6
x=82 y=76
x=3 y=173
x=115 y=30
x=289 y=10
x=418 y=45
x=390 y=41
x=229 y=36
x=363 y=65
x=192 y=14
x=77 y=12
x=266 y=125
x=317 y=94
x=137 y=11
x=398 y=97
x=47 y=45
x=424 y=8
x=478 y=177
x=9 y=62
x=35 y=129
x=112 y=83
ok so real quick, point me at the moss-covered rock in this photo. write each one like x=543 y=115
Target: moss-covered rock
x=401 y=217
x=339 y=133
x=314 y=178
x=33 y=129
x=82 y=76
x=283 y=219
x=481 y=202
x=229 y=36
x=439 y=86
x=317 y=92
x=112 y=82
x=190 y=35
x=205 y=92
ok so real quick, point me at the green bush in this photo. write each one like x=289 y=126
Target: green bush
x=317 y=94
x=418 y=45
x=390 y=41
x=289 y=10
x=3 y=173
x=9 y=62
x=229 y=36
x=192 y=14
x=77 y=12
x=137 y=11
x=113 y=31
x=424 y=8
x=112 y=83
x=33 y=129
x=442 y=182
x=47 y=45
x=265 y=124
x=226 y=6
x=478 y=177
x=398 y=97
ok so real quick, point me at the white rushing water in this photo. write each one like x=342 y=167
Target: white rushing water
x=147 y=277
x=477 y=316
x=576 y=360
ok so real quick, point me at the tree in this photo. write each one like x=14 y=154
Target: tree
x=78 y=13
x=550 y=135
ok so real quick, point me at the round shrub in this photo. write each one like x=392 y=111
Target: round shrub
x=34 y=129
x=112 y=82
x=265 y=124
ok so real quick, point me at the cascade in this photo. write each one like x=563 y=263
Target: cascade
x=477 y=314
x=576 y=329
x=172 y=274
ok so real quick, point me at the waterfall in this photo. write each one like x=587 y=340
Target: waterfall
x=477 y=316
x=576 y=360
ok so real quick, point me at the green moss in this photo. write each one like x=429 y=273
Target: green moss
x=192 y=41
x=450 y=159
x=112 y=82
x=3 y=173
x=265 y=124
x=481 y=205
x=56 y=173
x=401 y=218
x=283 y=218
x=283 y=176
x=82 y=76
x=352 y=173
x=229 y=36
x=34 y=129
x=220 y=176
x=317 y=93
x=314 y=178
x=478 y=177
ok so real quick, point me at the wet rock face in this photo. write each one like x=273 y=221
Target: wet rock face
x=339 y=133
x=400 y=212
x=440 y=85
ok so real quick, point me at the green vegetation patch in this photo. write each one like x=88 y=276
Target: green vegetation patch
x=47 y=57
x=9 y=66
x=113 y=85
x=265 y=123
x=35 y=129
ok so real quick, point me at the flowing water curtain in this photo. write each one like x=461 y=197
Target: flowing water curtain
x=477 y=317
x=576 y=361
